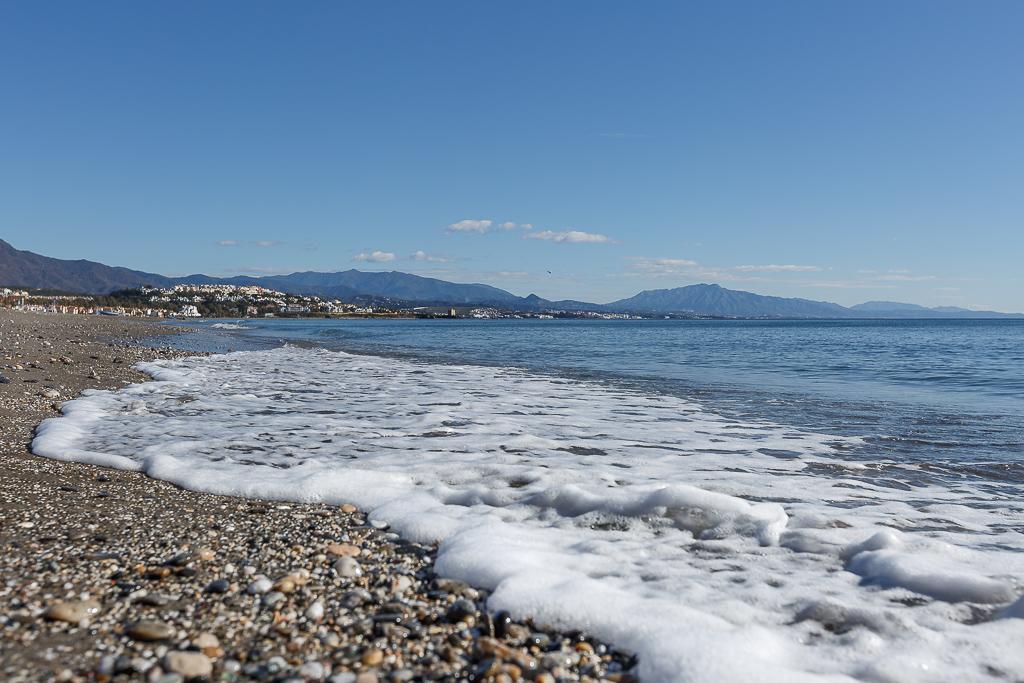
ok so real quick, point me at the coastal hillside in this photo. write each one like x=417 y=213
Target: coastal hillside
x=26 y=269
x=715 y=300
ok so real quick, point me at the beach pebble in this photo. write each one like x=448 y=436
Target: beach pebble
x=218 y=586
x=154 y=599
x=259 y=586
x=372 y=657
x=315 y=612
x=271 y=599
x=348 y=567
x=461 y=610
x=150 y=630
x=72 y=612
x=191 y=665
x=312 y=671
x=400 y=584
x=285 y=585
x=205 y=641
x=343 y=550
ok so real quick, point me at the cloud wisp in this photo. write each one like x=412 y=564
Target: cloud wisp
x=263 y=244
x=481 y=226
x=470 y=225
x=694 y=269
x=569 y=237
x=777 y=268
x=420 y=255
x=376 y=256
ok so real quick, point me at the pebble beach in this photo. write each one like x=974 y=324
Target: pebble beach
x=107 y=575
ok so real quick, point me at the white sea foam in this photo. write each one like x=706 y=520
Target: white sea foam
x=716 y=549
x=228 y=326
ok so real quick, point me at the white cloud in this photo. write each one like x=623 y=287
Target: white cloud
x=694 y=269
x=471 y=225
x=375 y=257
x=776 y=268
x=485 y=225
x=903 y=277
x=664 y=264
x=257 y=243
x=420 y=255
x=569 y=236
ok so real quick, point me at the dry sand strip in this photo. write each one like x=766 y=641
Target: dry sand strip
x=108 y=575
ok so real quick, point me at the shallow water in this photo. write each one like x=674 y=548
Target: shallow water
x=828 y=499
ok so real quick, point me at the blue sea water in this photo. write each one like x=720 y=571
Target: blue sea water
x=945 y=394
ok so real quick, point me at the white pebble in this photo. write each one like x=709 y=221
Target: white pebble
x=315 y=612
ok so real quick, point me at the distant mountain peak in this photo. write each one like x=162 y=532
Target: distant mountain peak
x=26 y=269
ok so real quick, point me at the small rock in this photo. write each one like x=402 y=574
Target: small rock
x=154 y=600
x=461 y=610
x=150 y=630
x=72 y=612
x=271 y=599
x=400 y=584
x=259 y=586
x=206 y=641
x=191 y=665
x=285 y=585
x=348 y=567
x=312 y=671
x=349 y=509
x=315 y=612
x=343 y=550
x=372 y=657
x=218 y=586
x=502 y=620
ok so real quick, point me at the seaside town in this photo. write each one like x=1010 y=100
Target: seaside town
x=251 y=301
x=183 y=301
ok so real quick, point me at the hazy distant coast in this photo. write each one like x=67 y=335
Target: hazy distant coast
x=403 y=293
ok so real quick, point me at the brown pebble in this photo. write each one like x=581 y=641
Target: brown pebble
x=343 y=549
x=372 y=657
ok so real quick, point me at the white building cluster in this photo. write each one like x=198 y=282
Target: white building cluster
x=256 y=300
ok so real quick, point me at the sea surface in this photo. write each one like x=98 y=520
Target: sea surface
x=732 y=500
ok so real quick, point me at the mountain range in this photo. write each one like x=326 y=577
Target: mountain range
x=27 y=269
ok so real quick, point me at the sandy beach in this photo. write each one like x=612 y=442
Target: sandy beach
x=108 y=575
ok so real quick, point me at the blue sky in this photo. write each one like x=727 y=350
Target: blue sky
x=842 y=151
